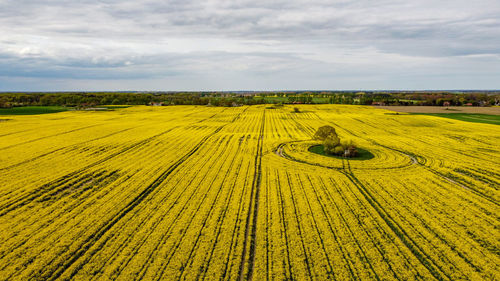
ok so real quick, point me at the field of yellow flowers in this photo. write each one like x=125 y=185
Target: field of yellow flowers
x=194 y=192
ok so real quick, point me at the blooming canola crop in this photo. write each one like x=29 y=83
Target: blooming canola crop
x=195 y=192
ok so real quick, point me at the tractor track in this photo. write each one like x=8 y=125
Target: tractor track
x=92 y=239
x=253 y=206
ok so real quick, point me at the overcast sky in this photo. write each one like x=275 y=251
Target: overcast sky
x=249 y=45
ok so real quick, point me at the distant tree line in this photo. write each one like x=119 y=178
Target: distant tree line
x=96 y=99
x=431 y=98
x=74 y=99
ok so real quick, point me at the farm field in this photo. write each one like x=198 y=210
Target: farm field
x=31 y=110
x=213 y=193
x=470 y=117
x=492 y=110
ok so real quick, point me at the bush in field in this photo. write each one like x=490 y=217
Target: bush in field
x=338 y=150
x=332 y=143
x=349 y=148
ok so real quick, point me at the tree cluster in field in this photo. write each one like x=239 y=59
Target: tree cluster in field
x=90 y=99
x=333 y=145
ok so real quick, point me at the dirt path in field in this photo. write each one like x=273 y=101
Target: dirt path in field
x=443 y=109
x=279 y=151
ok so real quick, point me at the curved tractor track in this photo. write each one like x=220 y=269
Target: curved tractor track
x=279 y=150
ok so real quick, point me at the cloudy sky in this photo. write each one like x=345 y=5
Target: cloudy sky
x=249 y=44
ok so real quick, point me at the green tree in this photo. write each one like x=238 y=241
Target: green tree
x=325 y=132
x=330 y=144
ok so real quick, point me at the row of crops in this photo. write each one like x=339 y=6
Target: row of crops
x=194 y=192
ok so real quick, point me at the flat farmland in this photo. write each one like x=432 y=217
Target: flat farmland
x=216 y=193
x=493 y=110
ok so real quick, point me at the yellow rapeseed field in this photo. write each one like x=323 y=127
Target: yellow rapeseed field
x=195 y=192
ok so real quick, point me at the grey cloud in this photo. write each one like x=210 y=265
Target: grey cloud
x=111 y=39
x=144 y=66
